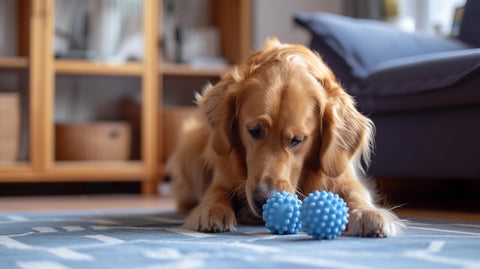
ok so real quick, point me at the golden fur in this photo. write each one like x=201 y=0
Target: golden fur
x=279 y=122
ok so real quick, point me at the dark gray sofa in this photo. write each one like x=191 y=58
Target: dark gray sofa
x=422 y=92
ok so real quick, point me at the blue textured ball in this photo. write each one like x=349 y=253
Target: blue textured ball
x=281 y=213
x=324 y=215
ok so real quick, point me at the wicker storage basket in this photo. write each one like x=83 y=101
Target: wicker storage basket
x=173 y=117
x=92 y=141
x=9 y=126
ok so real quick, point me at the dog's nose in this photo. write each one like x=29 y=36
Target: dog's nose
x=260 y=197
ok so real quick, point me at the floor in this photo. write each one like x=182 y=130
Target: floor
x=84 y=202
x=134 y=201
x=454 y=199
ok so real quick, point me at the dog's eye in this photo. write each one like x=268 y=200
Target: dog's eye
x=256 y=132
x=295 y=141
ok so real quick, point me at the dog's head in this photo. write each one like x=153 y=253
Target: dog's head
x=286 y=115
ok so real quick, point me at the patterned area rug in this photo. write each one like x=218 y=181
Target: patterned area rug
x=150 y=239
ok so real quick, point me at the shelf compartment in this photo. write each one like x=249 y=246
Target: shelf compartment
x=173 y=69
x=13 y=62
x=82 y=67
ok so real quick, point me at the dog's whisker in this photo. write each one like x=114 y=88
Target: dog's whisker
x=300 y=193
x=236 y=191
x=397 y=206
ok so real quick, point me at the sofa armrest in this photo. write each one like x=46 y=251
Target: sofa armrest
x=470 y=23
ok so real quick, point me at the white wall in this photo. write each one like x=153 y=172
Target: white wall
x=275 y=18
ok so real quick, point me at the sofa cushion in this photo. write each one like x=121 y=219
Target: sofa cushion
x=354 y=47
x=436 y=80
x=418 y=73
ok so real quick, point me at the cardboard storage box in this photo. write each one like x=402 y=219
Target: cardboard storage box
x=93 y=141
x=9 y=126
x=173 y=118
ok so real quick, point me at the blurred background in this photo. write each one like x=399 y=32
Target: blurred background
x=196 y=41
x=111 y=29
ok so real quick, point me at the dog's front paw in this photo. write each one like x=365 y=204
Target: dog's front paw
x=374 y=222
x=213 y=218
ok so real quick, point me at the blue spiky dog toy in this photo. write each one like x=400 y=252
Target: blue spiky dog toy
x=324 y=215
x=281 y=213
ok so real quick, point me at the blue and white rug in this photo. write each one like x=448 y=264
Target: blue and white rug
x=149 y=239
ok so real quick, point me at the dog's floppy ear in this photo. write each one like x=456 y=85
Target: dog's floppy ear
x=218 y=105
x=346 y=133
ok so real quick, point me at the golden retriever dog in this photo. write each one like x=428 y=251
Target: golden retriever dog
x=280 y=122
